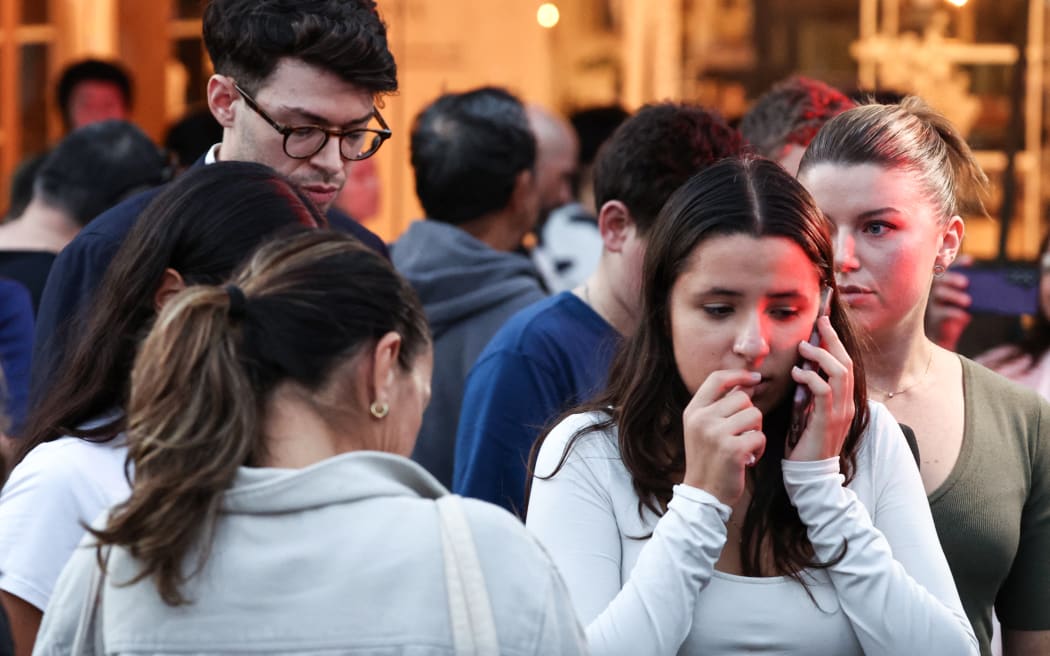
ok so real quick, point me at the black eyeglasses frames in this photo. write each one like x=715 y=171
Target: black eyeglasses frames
x=305 y=141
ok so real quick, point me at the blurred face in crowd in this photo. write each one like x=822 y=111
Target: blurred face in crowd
x=555 y=171
x=296 y=94
x=95 y=100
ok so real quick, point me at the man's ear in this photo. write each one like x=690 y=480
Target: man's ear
x=615 y=224
x=221 y=96
x=171 y=283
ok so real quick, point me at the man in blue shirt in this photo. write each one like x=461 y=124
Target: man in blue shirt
x=556 y=353
x=295 y=88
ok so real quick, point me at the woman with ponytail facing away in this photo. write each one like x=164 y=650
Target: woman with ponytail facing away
x=274 y=508
x=70 y=464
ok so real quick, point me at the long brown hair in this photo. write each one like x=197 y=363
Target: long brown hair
x=299 y=310
x=203 y=225
x=645 y=396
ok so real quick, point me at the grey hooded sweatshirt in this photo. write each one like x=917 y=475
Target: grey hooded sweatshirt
x=468 y=290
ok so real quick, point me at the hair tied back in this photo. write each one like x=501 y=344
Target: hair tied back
x=238 y=302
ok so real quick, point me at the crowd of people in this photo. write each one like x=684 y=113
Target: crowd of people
x=637 y=383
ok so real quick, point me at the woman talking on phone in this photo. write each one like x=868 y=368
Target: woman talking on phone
x=895 y=179
x=684 y=514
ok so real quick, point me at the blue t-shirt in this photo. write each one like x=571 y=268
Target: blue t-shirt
x=547 y=358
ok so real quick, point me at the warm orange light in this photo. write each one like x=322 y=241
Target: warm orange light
x=548 y=15
x=958 y=3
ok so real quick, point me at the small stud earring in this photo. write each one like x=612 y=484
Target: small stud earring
x=938 y=270
x=379 y=409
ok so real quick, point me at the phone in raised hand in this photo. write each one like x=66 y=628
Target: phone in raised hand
x=800 y=407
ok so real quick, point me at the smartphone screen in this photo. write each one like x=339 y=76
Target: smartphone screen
x=800 y=408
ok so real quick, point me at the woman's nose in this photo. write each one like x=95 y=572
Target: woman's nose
x=845 y=252
x=751 y=344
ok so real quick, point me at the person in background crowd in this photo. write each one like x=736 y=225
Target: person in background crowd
x=1027 y=361
x=360 y=197
x=786 y=118
x=593 y=127
x=7 y=646
x=696 y=475
x=87 y=92
x=474 y=157
x=191 y=137
x=895 y=180
x=280 y=409
x=570 y=244
x=280 y=66
x=556 y=353
x=92 y=90
x=70 y=464
x=89 y=171
x=16 y=346
x=557 y=155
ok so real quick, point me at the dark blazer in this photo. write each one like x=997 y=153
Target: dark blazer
x=79 y=268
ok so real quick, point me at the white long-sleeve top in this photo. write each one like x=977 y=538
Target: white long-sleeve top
x=892 y=593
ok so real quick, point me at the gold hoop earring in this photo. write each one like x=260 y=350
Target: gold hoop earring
x=379 y=409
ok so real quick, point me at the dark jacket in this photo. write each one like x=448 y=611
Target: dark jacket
x=468 y=291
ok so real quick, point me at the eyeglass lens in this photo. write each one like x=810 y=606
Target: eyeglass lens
x=305 y=142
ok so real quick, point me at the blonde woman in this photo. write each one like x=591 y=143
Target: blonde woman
x=896 y=180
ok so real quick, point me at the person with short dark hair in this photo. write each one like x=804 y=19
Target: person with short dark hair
x=90 y=170
x=556 y=353
x=593 y=126
x=296 y=87
x=786 y=118
x=93 y=90
x=274 y=508
x=70 y=460
x=190 y=138
x=474 y=157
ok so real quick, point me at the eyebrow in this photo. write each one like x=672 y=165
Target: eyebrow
x=721 y=291
x=320 y=120
x=870 y=214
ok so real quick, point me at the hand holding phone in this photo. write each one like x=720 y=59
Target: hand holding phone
x=803 y=397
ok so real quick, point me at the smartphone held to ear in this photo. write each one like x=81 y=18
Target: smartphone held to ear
x=803 y=397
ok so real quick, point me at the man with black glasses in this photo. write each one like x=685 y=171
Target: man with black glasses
x=295 y=87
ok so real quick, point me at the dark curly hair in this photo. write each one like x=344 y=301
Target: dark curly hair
x=655 y=151
x=792 y=112
x=247 y=38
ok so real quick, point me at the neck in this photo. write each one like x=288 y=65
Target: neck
x=497 y=230
x=41 y=227
x=897 y=360
x=600 y=295
x=296 y=436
